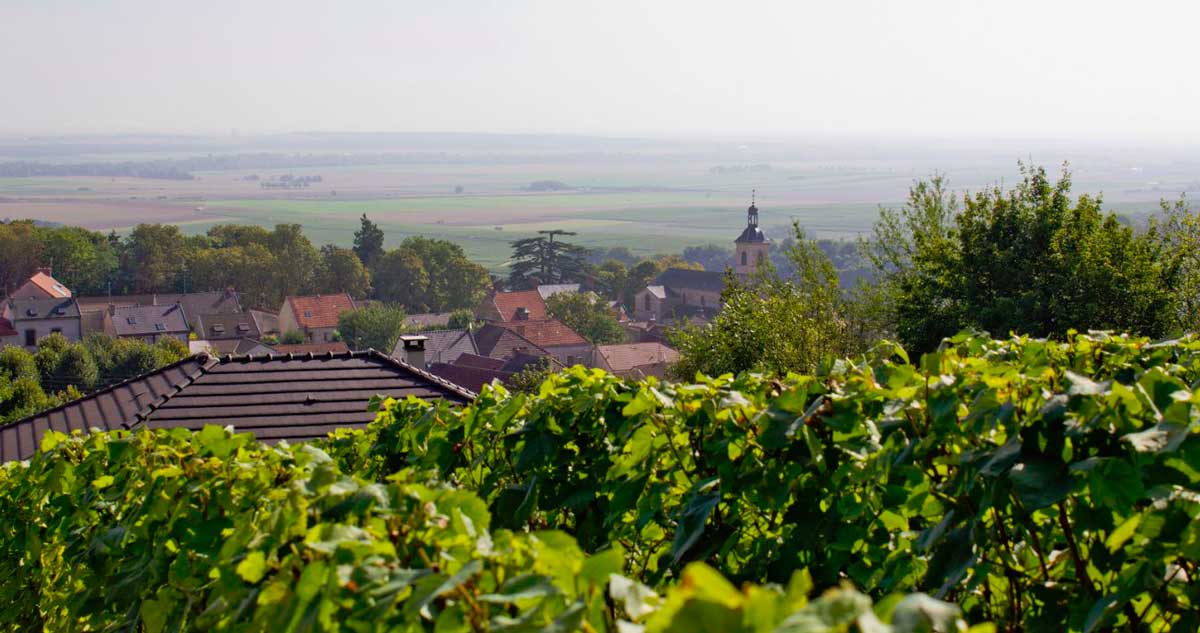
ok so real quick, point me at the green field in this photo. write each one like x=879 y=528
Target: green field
x=649 y=200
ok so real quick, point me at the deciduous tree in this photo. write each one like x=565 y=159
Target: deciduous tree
x=587 y=314
x=377 y=326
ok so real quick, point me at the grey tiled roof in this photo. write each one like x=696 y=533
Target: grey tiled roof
x=149 y=320
x=29 y=309
x=276 y=397
x=685 y=279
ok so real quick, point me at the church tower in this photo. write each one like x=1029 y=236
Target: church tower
x=752 y=245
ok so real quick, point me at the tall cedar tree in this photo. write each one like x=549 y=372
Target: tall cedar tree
x=542 y=260
x=368 y=241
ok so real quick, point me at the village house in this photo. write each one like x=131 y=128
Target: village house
x=266 y=322
x=147 y=323
x=41 y=285
x=316 y=315
x=193 y=305
x=34 y=319
x=442 y=346
x=552 y=335
x=682 y=294
x=224 y=333
x=522 y=305
x=636 y=360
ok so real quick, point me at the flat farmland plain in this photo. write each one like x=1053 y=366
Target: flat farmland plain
x=648 y=202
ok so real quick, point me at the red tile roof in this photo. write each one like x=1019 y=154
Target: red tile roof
x=545 y=332
x=320 y=310
x=276 y=397
x=625 y=357
x=49 y=285
x=507 y=304
x=482 y=362
x=497 y=342
x=473 y=378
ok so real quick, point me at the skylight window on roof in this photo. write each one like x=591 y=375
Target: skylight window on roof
x=161 y=327
x=308 y=314
x=242 y=327
x=131 y=320
x=219 y=329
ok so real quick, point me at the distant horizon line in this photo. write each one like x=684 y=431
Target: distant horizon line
x=672 y=137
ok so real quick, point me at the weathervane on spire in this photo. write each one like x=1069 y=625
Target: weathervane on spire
x=753 y=192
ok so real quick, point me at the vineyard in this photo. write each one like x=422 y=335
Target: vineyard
x=1018 y=485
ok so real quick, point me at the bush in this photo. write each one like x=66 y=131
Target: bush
x=76 y=368
x=292 y=337
x=16 y=362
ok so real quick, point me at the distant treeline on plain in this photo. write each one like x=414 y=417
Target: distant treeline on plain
x=183 y=169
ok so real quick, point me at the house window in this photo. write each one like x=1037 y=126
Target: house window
x=703 y=301
x=56 y=329
x=30 y=338
x=743 y=258
x=760 y=258
x=647 y=301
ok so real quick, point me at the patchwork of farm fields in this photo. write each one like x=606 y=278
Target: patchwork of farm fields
x=648 y=204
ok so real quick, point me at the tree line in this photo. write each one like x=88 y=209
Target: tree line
x=1031 y=259
x=264 y=265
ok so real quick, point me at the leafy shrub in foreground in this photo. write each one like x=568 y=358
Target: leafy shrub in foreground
x=1042 y=485
x=172 y=531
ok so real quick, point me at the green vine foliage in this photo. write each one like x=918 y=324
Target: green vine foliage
x=1044 y=486
x=175 y=531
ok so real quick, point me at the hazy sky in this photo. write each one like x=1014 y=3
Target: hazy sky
x=1087 y=69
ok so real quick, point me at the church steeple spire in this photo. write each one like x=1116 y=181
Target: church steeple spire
x=752 y=245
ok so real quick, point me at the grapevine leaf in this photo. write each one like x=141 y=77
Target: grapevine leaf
x=253 y=567
x=692 y=519
x=1040 y=483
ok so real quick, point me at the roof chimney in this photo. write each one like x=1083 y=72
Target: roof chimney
x=414 y=349
x=45 y=270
